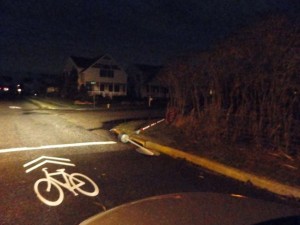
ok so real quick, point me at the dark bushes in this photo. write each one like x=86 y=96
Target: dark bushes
x=246 y=90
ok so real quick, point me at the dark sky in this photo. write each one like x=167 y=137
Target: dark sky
x=38 y=35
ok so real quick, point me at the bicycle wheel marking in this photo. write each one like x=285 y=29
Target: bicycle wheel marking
x=40 y=196
x=49 y=186
x=95 y=190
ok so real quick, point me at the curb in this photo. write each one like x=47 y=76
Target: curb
x=40 y=104
x=261 y=182
x=48 y=104
x=258 y=181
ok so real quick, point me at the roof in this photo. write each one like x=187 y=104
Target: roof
x=149 y=72
x=148 y=69
x=84 y=62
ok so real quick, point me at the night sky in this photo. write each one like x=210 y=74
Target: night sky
x=38 y=35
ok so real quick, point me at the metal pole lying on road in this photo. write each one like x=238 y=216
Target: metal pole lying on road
x=124 y=138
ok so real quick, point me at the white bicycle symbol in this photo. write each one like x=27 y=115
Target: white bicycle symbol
x=72 y=182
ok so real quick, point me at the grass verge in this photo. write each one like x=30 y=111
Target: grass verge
x=275 y=166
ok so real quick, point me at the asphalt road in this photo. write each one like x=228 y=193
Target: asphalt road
x=80 y=140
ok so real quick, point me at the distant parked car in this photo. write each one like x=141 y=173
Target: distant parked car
x=5 y=90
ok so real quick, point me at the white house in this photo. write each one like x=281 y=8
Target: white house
x=99 y=76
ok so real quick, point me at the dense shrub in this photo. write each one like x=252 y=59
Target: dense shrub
x=245 y=90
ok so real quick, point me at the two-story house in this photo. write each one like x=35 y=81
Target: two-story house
x=144 y=82
x=98 y=76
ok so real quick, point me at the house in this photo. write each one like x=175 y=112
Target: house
x=144 y=82
x=98 y=76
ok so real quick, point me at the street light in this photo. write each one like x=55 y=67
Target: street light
x=124 y=138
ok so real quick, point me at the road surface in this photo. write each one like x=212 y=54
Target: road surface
x=32 y=139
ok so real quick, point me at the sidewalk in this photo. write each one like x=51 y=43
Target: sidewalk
x=52 y=103
x=48 y=104
x=258 y=181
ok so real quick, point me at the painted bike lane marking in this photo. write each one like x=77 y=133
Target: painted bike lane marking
x=48 y=159
x=82 y=144
x=75 y=182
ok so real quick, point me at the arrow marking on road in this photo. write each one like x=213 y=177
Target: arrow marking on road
x=56 y=146
x=45 y=157
x=53 y=160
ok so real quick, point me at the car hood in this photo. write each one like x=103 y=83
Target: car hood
x=193 y=209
